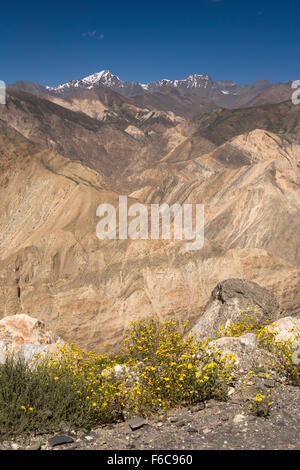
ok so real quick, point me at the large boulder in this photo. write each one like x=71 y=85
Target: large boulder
x=230 y=299
x=26 y=336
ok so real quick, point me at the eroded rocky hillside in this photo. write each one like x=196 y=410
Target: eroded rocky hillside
x=59 y=164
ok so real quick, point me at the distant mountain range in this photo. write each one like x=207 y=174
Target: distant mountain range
x=194 y=94
x=193 y=83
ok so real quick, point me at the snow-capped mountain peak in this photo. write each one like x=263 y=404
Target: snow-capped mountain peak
x=105 y=77
x=195 y=83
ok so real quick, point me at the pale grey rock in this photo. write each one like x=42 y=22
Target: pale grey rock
x=25 y=336
x=287 y=328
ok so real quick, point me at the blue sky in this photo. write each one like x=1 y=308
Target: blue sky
x=51 y=43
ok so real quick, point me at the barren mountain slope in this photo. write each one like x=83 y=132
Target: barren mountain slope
x=53 y=267
x=250 y=187
x=222 y=125
x=180 y=103
x=75 y=135
x=106 y=105
x=199 y=137
x=129 y=138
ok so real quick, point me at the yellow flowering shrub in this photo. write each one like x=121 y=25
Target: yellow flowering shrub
x=261 y=405
x=173 y=369
x=246 y=324
x=266 y=338
x=284 y=352
x=157 y=368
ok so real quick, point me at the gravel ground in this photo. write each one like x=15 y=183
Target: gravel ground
x=227 y=425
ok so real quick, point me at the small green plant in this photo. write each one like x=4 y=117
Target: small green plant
x=261 y=405
x=259 y=369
